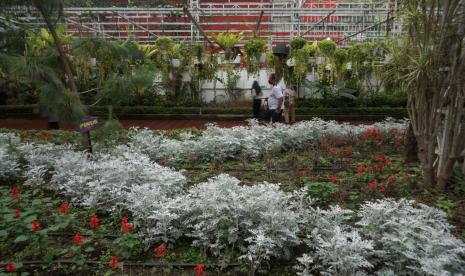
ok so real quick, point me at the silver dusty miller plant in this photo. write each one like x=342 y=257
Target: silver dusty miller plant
x=9 y=156
x=255 y=140
x=105 y=181
x=395 y=237
x=412 y=239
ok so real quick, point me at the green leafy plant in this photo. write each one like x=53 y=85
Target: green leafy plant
x=311 y=48
x=254 y=49
x=227 y=41
x=327 y=47
x=297 y=43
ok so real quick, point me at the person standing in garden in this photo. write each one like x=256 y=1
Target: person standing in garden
x=289 y=105
x=275 y=100
x=52 y=119
x=257 y=99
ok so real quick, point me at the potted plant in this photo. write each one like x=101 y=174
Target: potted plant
x=254 y=49
x=281 y=50
x=327 y=47
x=228 y=43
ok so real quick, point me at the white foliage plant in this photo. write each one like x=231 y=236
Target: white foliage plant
x=261 y=222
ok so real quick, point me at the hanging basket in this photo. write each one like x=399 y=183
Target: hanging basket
x=93 y=62
x=281 y=50
x=290 y=62
x=349 y=65
x=186 y=76
x=263 y=58
x=175 y=63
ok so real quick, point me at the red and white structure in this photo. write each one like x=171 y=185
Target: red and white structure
x=281 y=21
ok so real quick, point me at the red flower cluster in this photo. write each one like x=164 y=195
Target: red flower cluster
x=35 y=226
x=94 y=221
x=380 y=159
x=373 y=134
x=17 y=214
x=349 y=149
x=373 y=185
x=199 y=270
x=15 y=193
x=160 y=250
x=361 y=168
x=125 y=226
x=10 y=267
x=63 y=209
x=333 y=178
x=114 y=263
x=77 y=238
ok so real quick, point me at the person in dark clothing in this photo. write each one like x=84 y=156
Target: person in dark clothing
x=257 y=99
x=52 y=120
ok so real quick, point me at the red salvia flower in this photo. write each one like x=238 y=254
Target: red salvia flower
x=35 y=226
x=373 y=185
x=125 y=226
x=199 y=270
x=10 y=267
x=15 y=193
x=333 y=178
x=63 y=209
x=349 y=149
x=379 y=159
x=17 y=214
x=160 y=250
x=77 y=238
x=360 y=168
x=94 y=221
x=382 y=189
x=114 y=263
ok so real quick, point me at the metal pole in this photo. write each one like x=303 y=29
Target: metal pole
x=259 y=20
x=319 y=22
x=186 y=11
x=372 y=26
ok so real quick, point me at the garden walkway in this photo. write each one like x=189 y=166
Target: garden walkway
x=40 y=124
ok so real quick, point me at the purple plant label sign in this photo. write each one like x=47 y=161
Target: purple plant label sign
x=88 y=124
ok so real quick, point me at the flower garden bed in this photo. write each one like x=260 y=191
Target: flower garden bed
x=204 y=203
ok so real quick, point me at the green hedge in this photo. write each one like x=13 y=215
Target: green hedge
x=156 y=112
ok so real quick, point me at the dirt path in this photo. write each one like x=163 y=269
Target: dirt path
x=41 y=124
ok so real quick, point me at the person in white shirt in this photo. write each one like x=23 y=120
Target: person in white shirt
x=275 y=100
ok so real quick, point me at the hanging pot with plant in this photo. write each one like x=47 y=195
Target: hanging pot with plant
x=175 y=63
x=255 y=54
x=281 y=50
x=327 y=47
x=228 y=43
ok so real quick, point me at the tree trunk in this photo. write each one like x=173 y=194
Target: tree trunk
x=64 y=60
x=59 y=47
x=411 y=147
